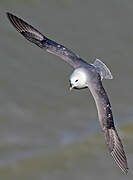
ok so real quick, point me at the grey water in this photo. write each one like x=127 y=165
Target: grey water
x=46 y=131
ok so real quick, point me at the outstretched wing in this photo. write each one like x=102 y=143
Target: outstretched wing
x=106 y=120
x=33 y=35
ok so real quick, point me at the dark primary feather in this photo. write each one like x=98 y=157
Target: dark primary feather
x=107 y=123
x=33 y=35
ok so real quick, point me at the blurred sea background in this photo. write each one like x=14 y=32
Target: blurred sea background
x=46 y=131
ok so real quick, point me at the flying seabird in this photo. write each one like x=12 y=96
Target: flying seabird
x=84 y=76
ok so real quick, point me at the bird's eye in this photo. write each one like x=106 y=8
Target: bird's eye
x=76 y=80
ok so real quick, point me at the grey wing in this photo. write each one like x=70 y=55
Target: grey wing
x=106 y=120
x=33 y=35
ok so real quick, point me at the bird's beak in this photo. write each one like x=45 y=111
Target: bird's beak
x=70 y=88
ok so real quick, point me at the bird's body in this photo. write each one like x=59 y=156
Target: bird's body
x=84 y=76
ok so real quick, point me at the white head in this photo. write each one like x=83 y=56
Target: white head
x=78 y=79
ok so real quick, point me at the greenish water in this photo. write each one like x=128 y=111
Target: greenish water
x=47 y=132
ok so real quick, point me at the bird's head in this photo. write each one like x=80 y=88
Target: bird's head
x=78 y=79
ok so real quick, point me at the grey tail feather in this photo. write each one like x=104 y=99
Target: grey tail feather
x=102 y=69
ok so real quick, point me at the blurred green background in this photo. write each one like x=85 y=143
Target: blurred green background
x=47 y=132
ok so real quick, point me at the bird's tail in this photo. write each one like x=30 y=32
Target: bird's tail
x=102 y=69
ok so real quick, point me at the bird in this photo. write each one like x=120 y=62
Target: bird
x=84 y=75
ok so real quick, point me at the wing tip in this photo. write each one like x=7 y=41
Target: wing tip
x=118 y=153
x=28 y=31
x=10 y=16
x=16 y=22
x=121 y=164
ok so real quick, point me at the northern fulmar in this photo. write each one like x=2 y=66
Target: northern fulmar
x=84 y=76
